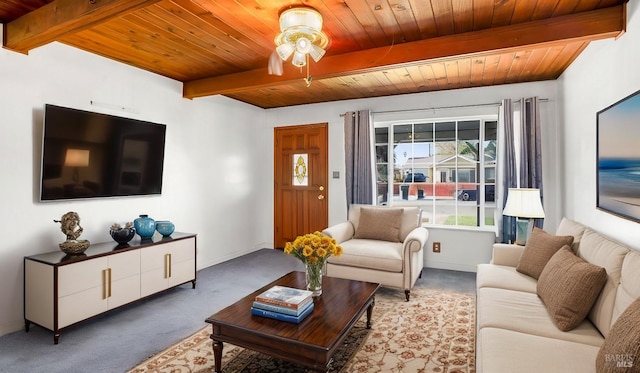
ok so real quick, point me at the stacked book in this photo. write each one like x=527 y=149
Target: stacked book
x=284 y=304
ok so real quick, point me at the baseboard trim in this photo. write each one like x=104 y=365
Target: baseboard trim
x=452 y=266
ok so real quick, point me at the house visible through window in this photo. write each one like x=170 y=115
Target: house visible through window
x=446 y=166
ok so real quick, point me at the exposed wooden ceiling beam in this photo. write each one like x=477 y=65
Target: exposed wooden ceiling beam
x=586 y=26
x=63 y=17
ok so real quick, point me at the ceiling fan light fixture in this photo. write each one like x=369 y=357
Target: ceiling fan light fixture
x=299 y=59
x=285 y=50
x=316 y=52
x=303 y=45
x=301 y=35
x=302 y=16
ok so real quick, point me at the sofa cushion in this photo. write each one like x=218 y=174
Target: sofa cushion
x=629 y=288
x=503 y=277
x=569 y=286
x=379 y=224
x=525 y=313
x=500 y=350
x=372 y=254
x=622 y=345
x=539 y=249
x=597 y=249
x=569 y=227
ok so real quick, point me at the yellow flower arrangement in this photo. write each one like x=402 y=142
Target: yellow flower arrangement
x=313 y=249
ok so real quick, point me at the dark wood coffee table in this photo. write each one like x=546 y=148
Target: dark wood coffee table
x=314 y=341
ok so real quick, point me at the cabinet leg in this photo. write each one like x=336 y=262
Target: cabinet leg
x=27 y=324
x=56 y=338
x=193 y=284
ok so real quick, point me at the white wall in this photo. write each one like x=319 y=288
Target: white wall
x=605 y=72
x=455 y=244
x=212 y=186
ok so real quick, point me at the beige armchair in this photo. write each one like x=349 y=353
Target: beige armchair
x=381 y=244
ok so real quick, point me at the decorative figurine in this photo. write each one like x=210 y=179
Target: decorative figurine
x=70 y=226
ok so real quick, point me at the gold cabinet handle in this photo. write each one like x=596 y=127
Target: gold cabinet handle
x=321 y=196
x=167 y=265
x=106 y=283
x=321 y=188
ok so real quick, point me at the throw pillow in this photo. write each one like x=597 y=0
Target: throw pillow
x=620 y=351
x=377 y=223
x=539 y=248
x=568 y=287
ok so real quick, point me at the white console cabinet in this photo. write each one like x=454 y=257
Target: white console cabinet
x=61 y=290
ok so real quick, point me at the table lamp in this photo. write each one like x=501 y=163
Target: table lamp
x=76 y=158
x=524 y=204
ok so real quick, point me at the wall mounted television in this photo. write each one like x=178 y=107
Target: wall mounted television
x=618 y=166
x=93 y=155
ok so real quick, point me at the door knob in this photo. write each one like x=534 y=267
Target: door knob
x=321 y=196
x=321 y=188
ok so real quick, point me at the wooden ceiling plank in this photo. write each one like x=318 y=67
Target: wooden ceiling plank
x=490 y=70
x=503 y=13
x=423 y=13
x=565 y=7
x=196 y=30
x=386 y=21
x=94 y=41
x=453 y=74
x=175 y=46
x=463 y=16
x=406 y=19
x=483 y=11
x=517 y=66
x=522 y=11
x=477 y=71
x=464 y=72
x=344 y=31
x=443 y=15
x=597 y=24
x=503 y=68
x=60 y=18
x=364 y=13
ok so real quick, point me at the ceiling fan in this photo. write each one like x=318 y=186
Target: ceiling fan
x=301 y=36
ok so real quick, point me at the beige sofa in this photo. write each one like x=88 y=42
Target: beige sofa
x=515 y=332
x=381 y=244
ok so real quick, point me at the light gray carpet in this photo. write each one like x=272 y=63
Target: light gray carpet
x=120 y=339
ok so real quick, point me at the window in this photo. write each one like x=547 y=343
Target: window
x=447 y=167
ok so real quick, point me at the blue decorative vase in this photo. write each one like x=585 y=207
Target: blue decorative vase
x=145 y=226
x=165 y=227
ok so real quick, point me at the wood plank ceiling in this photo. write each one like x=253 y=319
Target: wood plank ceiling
x=377 y=47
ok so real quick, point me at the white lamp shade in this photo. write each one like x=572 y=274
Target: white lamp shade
x=285 y=50
x=316 y=52
x=303 y=45
x=299 y=59
x=524 y=203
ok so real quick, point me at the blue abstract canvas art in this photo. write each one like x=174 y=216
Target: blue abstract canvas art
x=618 y=146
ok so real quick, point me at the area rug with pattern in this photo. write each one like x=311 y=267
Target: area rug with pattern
x=433 y=332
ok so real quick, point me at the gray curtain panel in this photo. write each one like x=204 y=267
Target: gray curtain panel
x=357 y=146
x=509 y=180
x=531 y=152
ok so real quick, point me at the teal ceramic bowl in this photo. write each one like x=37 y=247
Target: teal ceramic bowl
x=165 y=227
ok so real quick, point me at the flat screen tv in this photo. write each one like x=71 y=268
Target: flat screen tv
x=93 y=155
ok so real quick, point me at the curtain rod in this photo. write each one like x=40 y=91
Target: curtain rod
x=448 y=107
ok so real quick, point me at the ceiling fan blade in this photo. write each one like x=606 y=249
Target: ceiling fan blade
x=275 y=64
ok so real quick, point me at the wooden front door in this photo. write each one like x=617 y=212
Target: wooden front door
x=301 y=175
